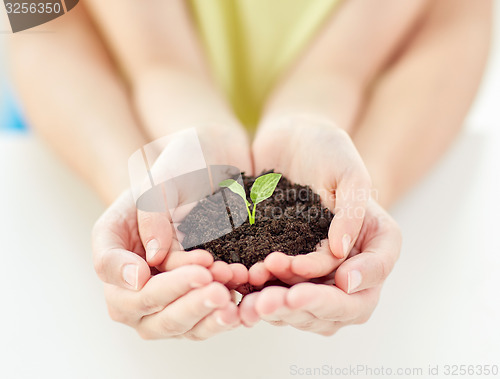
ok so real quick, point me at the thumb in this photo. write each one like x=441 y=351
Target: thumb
x=163 y=250
x=155 y=230
x=351 y=196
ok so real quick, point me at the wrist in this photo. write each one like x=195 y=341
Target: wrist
x=292 y=121
x=318 y=95
x=383 y=191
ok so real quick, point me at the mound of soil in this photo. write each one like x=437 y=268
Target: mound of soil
x=292 y=221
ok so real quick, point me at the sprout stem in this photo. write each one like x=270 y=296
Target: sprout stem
x=252 y=219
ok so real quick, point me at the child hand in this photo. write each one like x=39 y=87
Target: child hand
x=321 y=155
x=183 y=302
x=325 y=308
x=157 y=230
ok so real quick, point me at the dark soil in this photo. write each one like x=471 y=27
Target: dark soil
x=292 y=221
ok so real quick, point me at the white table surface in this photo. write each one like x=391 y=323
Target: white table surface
x=440 y=305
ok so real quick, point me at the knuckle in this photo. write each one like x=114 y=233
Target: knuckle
x=99 y=266
x=97 y=227
x=195 y=337
x=363 y=318
x=382 y=269
x=146 y=335
x=397 y=229
x=116 y=315
x=306 y=325
x=277 y=323
x=171 y=326
x=146 y=222
x=329 y=332
x=192 y=273
x=399 y=236
x=339 y=313
x=219 y=289
x=149 y=305
x=360 y=179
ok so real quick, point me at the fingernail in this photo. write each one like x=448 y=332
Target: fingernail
x=354 y=279
x=346 y=244
x=209 y=303
x=220 y=321
x=131 y=275
x=152 y=248
x=196 y=285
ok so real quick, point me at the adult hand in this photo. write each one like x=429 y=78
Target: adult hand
x=183 y=302
x=324 y=308
x=321 y=155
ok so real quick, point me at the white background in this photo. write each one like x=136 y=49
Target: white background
x=440 y=306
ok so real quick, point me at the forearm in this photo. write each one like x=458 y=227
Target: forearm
x=329 y=81
x=415 y=106
x=418 y=106
x=159 y=53
x=73 y=98
x=324 y=96
x=169 y=99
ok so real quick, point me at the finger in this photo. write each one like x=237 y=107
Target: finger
x=272 y=307
x=297 y=318
x=221 y=272
x=122 y=268
x=315 y=264
x=248 y=315
x=303 y=320
x=156 y=232
x=114 y=259
x=178 y=258
x=279 y=265
x=258 y=274
x=217 y=322
x=270 y=299
x=379 y=254
x=351 y=196
x=327 y=328
x=184 y=313
x=297 y=269
x=160 y=291
x=239 y=275
x=327 y=303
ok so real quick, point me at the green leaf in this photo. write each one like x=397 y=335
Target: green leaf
x=236 y=187
x=264 y=187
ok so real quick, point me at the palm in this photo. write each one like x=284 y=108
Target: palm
x=324 y=158
x=329 y=303
x=162 y=226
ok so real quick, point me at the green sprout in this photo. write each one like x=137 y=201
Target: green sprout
x=262 y=189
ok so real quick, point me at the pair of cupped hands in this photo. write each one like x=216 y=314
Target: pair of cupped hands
x=154 y=286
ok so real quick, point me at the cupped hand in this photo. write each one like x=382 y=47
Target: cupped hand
x=323 y=308
x=157 y=230
x=319 y=154
x=182 y=302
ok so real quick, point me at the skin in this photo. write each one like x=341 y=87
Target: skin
x=335 y=300
x=426 y=37
x=353 y=90
x=183 y=302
